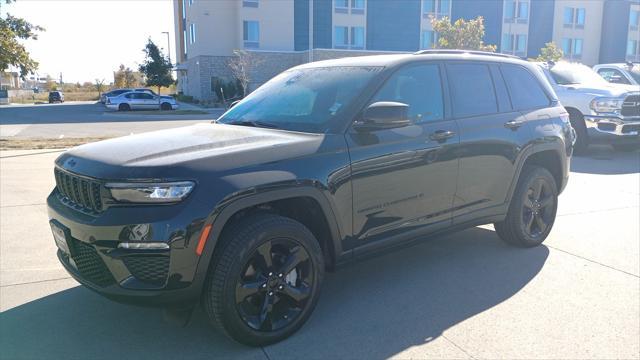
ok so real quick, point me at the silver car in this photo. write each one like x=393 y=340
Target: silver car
x=135 y=100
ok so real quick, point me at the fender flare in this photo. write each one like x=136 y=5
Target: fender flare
x=526 y=153
x=230 y=206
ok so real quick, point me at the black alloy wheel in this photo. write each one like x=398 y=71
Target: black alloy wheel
x=264 y=279
x=275 y=285
x=538 y=209
x=532 y=211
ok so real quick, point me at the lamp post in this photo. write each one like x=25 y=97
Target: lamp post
x=168 y=46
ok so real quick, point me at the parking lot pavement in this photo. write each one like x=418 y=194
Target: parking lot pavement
x=464 y=295
x=86 y=119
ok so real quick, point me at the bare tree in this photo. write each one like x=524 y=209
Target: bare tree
x=99 y=86
x=242 y=65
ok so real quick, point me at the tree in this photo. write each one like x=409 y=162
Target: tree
x=12 y=53
x=156 y=67
x=550 y=52
x=462 y=34
x=99 y=84
x=242 y=65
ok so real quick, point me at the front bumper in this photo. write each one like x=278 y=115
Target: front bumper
x=613 y=129
x=151 y=277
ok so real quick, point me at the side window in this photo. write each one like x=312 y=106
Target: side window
x=472 y=92
x=525 y=90
x=129 y=96
x=418 y=86
x=145 y=96
x=613 y=76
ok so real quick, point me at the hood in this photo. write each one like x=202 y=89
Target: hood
x=599 y=89
x=169 y=153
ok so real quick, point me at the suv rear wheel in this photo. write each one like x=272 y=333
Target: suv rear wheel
x=265 y=279
x=532 y=211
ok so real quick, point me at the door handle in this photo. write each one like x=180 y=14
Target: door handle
x=441 y=135
x=513 y=124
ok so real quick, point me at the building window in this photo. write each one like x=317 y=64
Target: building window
x=341 y=37
x=345 y=39
x=507 y=43
x=357 y=6
x=250 y=3
x=515 y=44
x=574 y=17
x=184 y=39
x=516 y=11
x=342 y=6
x=437 y=8
x=634 y=19
x=251 y=34
x=572 y=48
x=429 y=39
x=192 y=33
x=580 y=14
x=632 y=48
x=184 y=12
x=357 y=37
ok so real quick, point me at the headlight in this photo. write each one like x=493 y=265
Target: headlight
x=606 y=105
x=150 y=192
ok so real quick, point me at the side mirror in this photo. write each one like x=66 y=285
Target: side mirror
x=384 y=115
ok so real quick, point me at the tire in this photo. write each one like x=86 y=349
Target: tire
x=582 y=137
x=626 y=147
x=165 y=106
x=238 y=261
x=124 y=107
x=529 y=211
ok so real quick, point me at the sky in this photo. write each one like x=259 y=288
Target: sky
x=88 y=39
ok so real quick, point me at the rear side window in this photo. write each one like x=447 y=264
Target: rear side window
x=525 y=90
x=472 y=90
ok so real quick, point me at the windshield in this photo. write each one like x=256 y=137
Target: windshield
x=569 y=74
x=306 y=100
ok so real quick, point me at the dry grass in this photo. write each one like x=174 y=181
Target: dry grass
x=7 y=143
x=43 y=97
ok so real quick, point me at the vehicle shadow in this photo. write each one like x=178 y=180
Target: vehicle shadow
x=370 y=309
x=603 y=160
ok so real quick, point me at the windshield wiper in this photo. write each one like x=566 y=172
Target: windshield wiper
x=253 y=124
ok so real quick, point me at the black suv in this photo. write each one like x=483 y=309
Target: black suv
x=325 y=163
x=56 y=96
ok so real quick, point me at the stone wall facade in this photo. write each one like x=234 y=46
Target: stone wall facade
x=201 y=69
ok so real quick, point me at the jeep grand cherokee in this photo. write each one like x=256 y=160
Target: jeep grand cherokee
x=325 y=163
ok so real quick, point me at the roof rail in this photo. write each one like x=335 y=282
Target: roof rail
x=460 y=51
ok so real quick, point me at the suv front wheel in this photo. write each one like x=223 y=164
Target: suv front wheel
x=532 y=211
x=264 y=280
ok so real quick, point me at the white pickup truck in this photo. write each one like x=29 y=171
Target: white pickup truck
x=600 y=112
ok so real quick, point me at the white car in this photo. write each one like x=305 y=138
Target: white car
x=137 y=100
x=628 y=74
x=600 y=112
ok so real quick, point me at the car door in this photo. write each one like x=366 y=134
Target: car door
x=492 y=134
x=147 y=101
x=404 y=179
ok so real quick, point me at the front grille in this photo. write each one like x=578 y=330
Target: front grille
x=90 y=265
x=631 y=106
x=149 y=269
x=630 y=128
x=78 y=192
